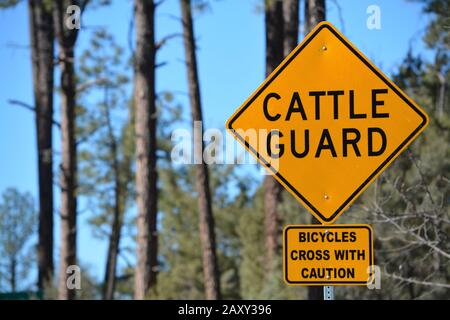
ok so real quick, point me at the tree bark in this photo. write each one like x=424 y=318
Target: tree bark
x=119 y=204
x=114 y=238
x=314 y=13
x=145 y=127
x=68 y=247
x=441 y=95
x=206 y=217
x=272 y=189
x=291 y=23
x=41 y=35
x=13 y=270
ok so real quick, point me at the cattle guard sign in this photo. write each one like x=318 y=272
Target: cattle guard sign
x=326 y=123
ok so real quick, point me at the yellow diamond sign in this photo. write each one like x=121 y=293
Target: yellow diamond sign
x=326 y=122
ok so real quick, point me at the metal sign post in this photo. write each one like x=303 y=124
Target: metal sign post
x=328 y=293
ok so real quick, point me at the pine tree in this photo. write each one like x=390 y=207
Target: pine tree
x=66 y=38
x=106 y=156
x=145 y=126
x=17 y=222
x=41 y=36
x=272 y=189
x=206 y=217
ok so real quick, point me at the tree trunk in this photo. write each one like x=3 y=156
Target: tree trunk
x=206 y=218
x=272 y=189
x=314 y=13
x=68 y=247
x=13 y=270
x=114 y=238
x=145 y=127
x=41 y=35
x=291 y=23
x=68 y=172
x=441 y=99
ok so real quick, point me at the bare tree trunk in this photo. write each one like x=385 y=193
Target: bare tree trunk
x=41 y=35
x=291 y=23
x=272 y=189
x=68 y=247
x=114 y=238
x=68 y=173
x=145 y=127
x=13 y=269
x=314 y=13
x=206 y=217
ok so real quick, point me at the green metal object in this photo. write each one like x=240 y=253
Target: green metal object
x=22 y=295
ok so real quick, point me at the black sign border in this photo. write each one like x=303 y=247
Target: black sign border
x=285 y=267
x=383 y=164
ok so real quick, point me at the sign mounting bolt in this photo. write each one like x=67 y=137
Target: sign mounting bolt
x=326 y=197
x=324 y=48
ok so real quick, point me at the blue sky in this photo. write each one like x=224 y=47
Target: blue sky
x=231 y=66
